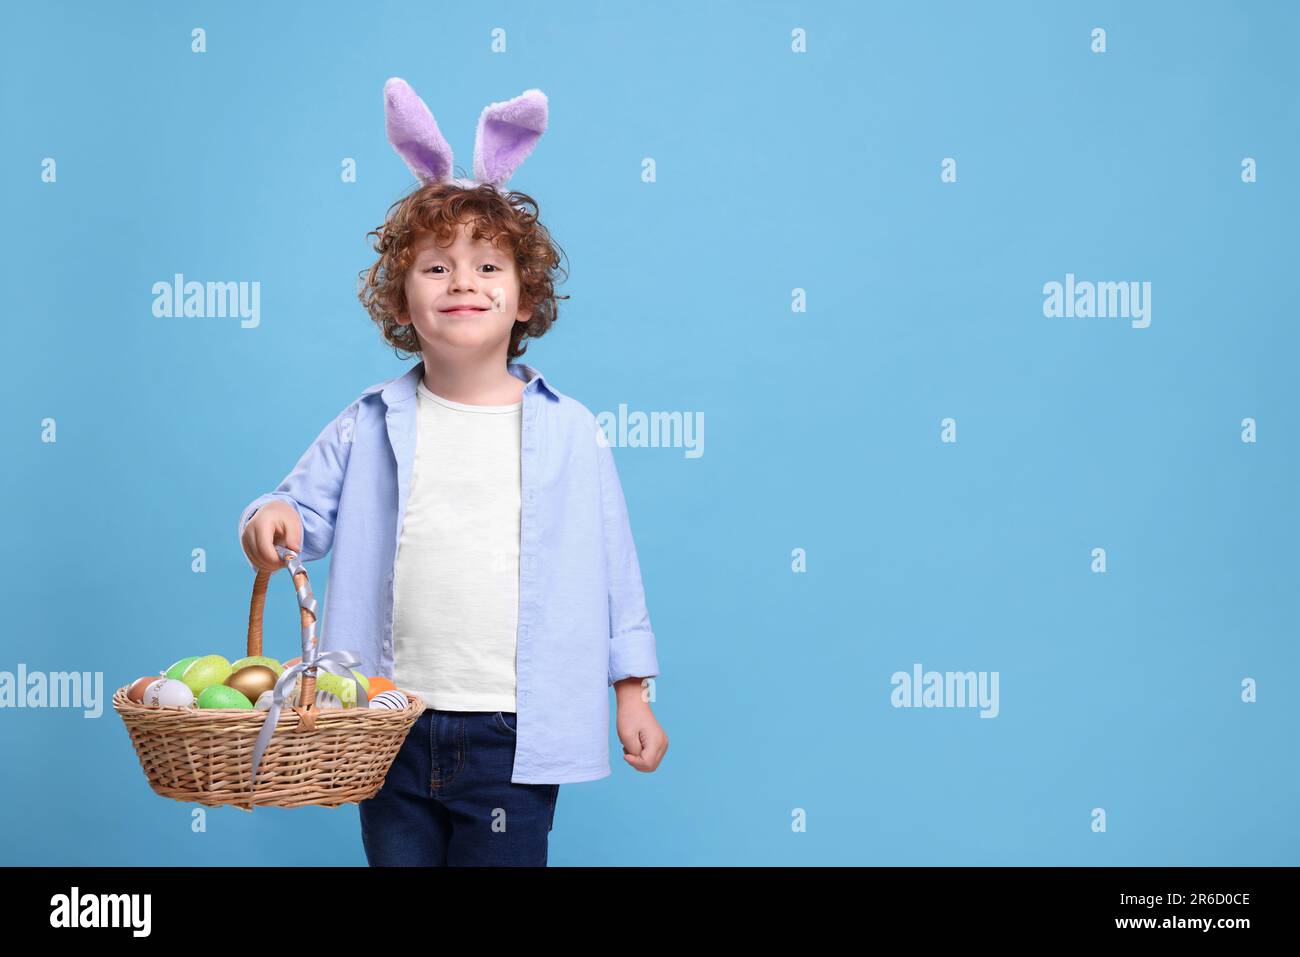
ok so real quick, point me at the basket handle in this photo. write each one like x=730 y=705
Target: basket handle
x=307 y=607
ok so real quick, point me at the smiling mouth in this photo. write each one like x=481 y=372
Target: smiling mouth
x=459 y=310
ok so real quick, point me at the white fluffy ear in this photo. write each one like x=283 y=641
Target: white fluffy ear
x=507 y=133
x=414 y=133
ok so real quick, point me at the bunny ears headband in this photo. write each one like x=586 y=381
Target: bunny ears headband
x=507 y=133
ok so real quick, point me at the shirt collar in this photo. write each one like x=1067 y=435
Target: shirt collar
x=403 y=387
x=533 y=378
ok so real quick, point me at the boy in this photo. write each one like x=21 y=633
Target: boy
x=482 y=554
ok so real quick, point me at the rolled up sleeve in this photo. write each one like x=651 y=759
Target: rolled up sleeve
x=313 y=487
x=631 y=639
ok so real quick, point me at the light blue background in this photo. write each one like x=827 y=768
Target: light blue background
x=775 y=171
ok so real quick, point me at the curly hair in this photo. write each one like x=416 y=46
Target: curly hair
x=507 y=219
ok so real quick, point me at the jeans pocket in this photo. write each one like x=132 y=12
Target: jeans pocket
x=507 y=721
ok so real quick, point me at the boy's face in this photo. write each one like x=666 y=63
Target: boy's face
x=462 y=296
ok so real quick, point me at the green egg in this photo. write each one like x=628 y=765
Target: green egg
x=336 y=685
x=258 y=660
x=206 y=671
x=222 y=696
x=178 y=669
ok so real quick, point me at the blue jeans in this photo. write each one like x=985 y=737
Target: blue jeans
x=448 y=798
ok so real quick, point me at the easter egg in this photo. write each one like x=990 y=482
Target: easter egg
x=390 y=701
x=267 y=698
x=293 y=661
x=291 y=696
x=136 y=691
x=168 y=693
x=332 y=685
x=379 y=684
x=337 y=685
x=205 y=672
x=252 y=680
x=326 y=700
x=258 y=660
x=222 y=696
x=178 y=669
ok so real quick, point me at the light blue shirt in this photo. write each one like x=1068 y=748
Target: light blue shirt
x=583 y=622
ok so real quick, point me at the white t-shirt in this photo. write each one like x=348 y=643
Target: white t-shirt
x=456 y=579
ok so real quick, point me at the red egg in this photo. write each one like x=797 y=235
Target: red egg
x=136 y=691
x=292 y=661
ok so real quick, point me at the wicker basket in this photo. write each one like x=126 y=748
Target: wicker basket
x=323 y=757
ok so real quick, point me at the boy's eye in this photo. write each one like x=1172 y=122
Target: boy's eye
x=491 y=266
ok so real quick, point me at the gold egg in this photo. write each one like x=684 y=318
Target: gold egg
x=252 y=680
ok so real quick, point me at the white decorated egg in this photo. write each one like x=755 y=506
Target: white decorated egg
x=291 y=696
x=267 y=698
x=326 y=700
x=390 y=701
x=168 y=693
x=323 y=700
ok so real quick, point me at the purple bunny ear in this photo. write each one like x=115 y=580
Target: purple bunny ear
x=414 y=134
x=507 y=133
